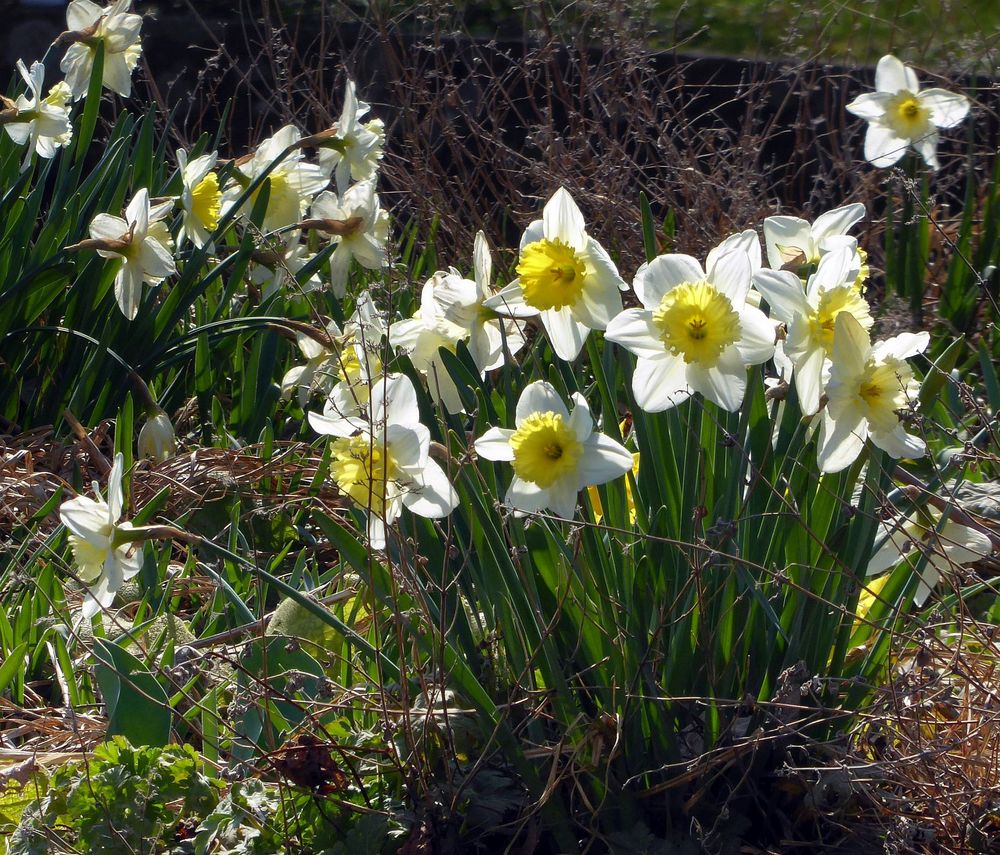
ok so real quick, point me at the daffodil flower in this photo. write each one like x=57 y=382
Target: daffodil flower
x=316 y=373
x=868 y=387
x=356 y=149
x=346 y=369
x=422 y=338
x=42 y=123
x=356 y=222
x=143 y=243
x=946 y=546
x=810 y=314
x=463 y=302
x=102 y=547
x=118 y=29
x=564 y=276
x=387 y=466
x=201 y=198
x=900 y=115
x=794 y=244
x=555 y=453
x=696 y=331
x=294 y=181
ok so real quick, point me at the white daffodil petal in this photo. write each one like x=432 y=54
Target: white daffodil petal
x=430 y=494
x=783 y=292
x=634 y=330
x=891 y=76
x=883 y=146
x=840 y=442
x=525 y=496
x=495 y=444
x=724 y=384
x=539 y=397
x=563 y=220
x=947 y=108
x=603 y=461
x=566 y=334
x=899 y=444
x=837 y=221
x=756 y=344
x=661 y=383
x=562 y=498
x=509 y=301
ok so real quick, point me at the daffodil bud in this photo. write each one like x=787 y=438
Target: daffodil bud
x=157 y=439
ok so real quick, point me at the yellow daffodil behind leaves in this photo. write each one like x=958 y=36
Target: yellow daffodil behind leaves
x=595 y=496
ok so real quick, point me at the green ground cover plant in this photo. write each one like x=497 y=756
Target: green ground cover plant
x=320 y=537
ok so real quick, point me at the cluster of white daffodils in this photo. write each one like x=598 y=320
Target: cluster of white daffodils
x=351 y=218
x=900 y=115
x=381 y=459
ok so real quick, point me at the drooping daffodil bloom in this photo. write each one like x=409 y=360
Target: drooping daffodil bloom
x=463 y=302
x=422 y=338
x=317 y=372
x=354 y=152
x=946 y=546
x=294 y=181
x=794 y=244
x=357 y=223
x=157 y=439
x=900 y=115
x=386 y=466
x=810 y=314
x=113 y=26
x=201 y=198
x=564 y=276
x=555 y=453
x=868 y=387
x=42 y=123
x=105 y=554
x=143 y=243
x=695 y=332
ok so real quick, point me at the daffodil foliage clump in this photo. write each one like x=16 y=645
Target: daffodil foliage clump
x=539 y=548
